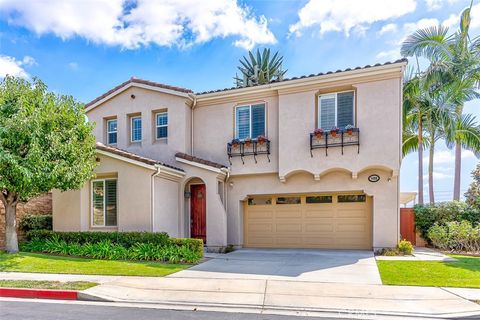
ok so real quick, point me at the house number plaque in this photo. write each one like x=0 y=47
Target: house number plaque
x=374 y=178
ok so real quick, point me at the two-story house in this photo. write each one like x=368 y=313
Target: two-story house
x=308 y=162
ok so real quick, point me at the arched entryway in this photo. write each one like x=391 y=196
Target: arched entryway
x=197 y=208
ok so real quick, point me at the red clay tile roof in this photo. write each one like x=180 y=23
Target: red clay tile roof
x=306 y=76
x=199 y=160
x=133 y=156
x=135 y=80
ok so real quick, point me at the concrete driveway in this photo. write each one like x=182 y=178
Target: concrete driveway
x=334 y=266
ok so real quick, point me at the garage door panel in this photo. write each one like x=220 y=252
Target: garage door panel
x=260 y=227
x=320 y=213
x=289 y=227
x=345 y=225
x=352 y=213
x=318 y=226
x=261 y=214
x=289 y=241
x=293 y=213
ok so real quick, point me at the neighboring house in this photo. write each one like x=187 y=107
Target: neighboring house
x=164 y=162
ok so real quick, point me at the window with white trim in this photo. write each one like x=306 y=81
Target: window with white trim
x=112 y=131
x=104 y=202
x=250 y=121
x=336 y=110
x=136 y=129
x=161 y=125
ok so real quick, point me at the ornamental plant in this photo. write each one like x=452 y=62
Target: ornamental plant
x=261 y=139
x=318 y=133
x=45 y=143
x=334 y=131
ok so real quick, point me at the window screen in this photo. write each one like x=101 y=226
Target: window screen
x=344 y=109
x=327 y=112
x=136 y=129
x=243 y=122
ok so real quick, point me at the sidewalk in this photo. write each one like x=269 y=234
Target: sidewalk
x=277 y=295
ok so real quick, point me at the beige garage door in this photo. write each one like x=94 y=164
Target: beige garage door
x=333 y=221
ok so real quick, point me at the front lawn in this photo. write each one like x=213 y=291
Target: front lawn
x=57 y=285
x=43 y=263
x=464 y=273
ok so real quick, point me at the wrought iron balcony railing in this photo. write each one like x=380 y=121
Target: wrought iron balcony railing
x=340 y=138
x=253 y=147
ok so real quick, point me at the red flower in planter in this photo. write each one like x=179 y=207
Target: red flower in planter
x=349 y=129
x=334 y=131
x=318 y=133
x=248 y=142
x=261 y=139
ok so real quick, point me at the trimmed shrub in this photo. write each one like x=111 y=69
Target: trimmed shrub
x=405 y=247
x=426 y=216
x=126 y=239
x=116 y=246
x=456 y=236
x=31 y=222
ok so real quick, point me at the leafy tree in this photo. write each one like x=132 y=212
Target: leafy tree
x=457 y=54
x=259 y=68
x=472 y=196
x=45 y=144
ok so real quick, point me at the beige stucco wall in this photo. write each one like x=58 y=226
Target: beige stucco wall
x=146 y=102
x=72 y=209
x=167 y=217
x=216 y=213
x=384 y=192
x=214 y=126
x=377 y=116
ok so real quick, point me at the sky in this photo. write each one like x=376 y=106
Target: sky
x=85 y=47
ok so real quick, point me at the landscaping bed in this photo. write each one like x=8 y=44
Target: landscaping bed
x=463 y=273
x=44 y=263
x=141 y=246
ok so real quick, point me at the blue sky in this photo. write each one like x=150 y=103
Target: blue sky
x=85 y=47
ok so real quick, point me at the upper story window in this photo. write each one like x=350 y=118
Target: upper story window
x=104 y=203
x=112 y=131
x=161 y=125
x=336 y=110
x=136 y=129
x=250 y=121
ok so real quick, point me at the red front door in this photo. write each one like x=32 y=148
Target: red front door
x=198 y=209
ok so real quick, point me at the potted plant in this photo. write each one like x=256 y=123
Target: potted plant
x=349 y=129
x=318 y=133
x=235 y=143
x=247 y=142
x=261 y=139
x=334 y=131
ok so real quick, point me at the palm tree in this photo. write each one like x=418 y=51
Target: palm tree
x=415 y=110
x=260 y=69
x=459 y=56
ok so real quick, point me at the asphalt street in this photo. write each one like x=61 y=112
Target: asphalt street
x=42 y=310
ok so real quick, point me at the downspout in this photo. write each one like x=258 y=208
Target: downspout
x=194 y=104
x=152 y=195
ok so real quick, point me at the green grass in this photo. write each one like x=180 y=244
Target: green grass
x=43 y=263
x=464 y=273
x=74 y=285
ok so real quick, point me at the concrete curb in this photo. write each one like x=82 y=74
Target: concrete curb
x=39 y=293
x=279 y=310
x=50 y=294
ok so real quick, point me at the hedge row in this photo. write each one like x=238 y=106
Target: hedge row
x=30 y=222
x=116 y=245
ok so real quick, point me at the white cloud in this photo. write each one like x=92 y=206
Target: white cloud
x=453 y=20
x=447 y=158
x=393 y=54
x=438 y=176
x=344 y=15
x=13 y=67
x=133 y=24
x=73 y=66
x=391 y=27
x=437 y=4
